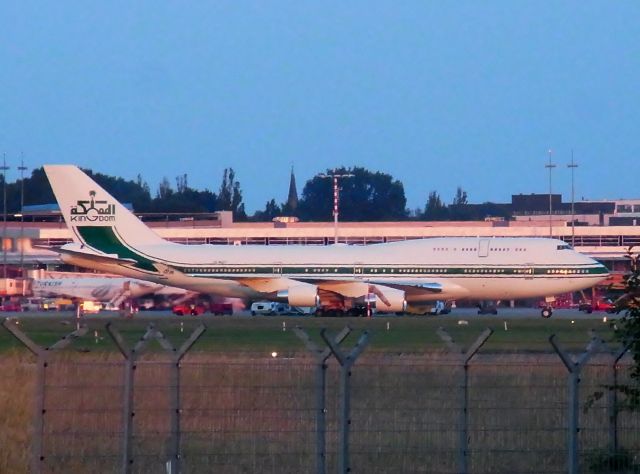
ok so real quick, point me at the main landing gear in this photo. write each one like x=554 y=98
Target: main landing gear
x=486 y=307
x=546 y=312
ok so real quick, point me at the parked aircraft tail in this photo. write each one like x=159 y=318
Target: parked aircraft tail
x=95 y=218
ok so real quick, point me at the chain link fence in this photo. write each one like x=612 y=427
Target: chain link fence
x=331 y=408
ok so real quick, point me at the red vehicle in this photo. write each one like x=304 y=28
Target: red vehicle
x=10 y=306
x=601 y=304
x=221 y=308
x=192 y=309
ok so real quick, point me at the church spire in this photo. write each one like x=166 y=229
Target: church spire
x=292 y=200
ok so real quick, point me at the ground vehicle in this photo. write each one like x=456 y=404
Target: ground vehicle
x=355 y=311
x=10 y=306
x=192 y=309
x=90 y=307
x=146 y=304
x=491 y=308
x=440 y=308
x=110 y=307
x=602 y=304
x=269 y=308
x=57 y=304
x=48 y=304
x=31 y=304
x=263 y=307
x=221 y=308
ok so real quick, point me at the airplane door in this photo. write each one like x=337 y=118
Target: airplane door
x=483 y=248
x=357 y=270
x=528 y=272
x=277 y=269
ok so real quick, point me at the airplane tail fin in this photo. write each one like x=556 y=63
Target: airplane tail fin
x=94 y=217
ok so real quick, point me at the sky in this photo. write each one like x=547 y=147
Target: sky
x=437 y=94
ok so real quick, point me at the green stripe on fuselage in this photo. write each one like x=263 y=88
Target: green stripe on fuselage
x=104 y=239
x=396 y=271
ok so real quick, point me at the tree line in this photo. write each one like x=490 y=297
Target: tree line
x=365 y=196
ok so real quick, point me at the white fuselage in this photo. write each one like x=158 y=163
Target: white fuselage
x=474 y=268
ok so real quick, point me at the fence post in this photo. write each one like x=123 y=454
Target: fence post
x=612 y=400
x=346 y=361
x=574 y=368
x=42 y=354
x=321 y=356
x=174 y=465
x=463 y=445
x=130 y=356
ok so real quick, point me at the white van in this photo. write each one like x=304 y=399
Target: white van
x=31 y=304
x=263 y=308
x=268 y=308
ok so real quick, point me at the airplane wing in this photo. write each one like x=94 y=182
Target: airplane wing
x=390 y=293
x=393 y=293
x=431 y=287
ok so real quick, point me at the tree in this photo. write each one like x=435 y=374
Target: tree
x=164 y=189
x=461 y=197
x=459 y=210
x=367 y=196
x=181 y=183
x=36 y=191
x=184 y=199
x=627 y=329
x=435 y=210
x=271 y=210
x=143 y=184
x=230 y=195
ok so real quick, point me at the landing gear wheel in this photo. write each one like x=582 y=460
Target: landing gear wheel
x=546 y=313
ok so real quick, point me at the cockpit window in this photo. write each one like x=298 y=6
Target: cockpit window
x=564 y=247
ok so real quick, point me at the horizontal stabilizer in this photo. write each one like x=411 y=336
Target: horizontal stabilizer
x=169 y=273
x=107 y=258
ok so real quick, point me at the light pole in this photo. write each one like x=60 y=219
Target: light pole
x=4 y=169
x=573 y=167
x=22 y=169
x=550 y=166
x=336 y=197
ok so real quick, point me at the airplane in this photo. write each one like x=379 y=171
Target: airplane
x=114 y=291
x=108 y=237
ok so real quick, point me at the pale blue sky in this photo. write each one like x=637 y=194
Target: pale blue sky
x=438 y=94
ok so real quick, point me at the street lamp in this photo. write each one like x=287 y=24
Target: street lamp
x=573 y=167
x=336 y=200
x=4 y=169
x=22 y=169
x=550 y=166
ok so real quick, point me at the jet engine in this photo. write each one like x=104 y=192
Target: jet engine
x=389 y=299
x=301 y=294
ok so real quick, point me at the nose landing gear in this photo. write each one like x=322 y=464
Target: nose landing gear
x=546 y=312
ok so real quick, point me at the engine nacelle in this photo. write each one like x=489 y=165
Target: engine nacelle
x=301 y=294
x=395 y=299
